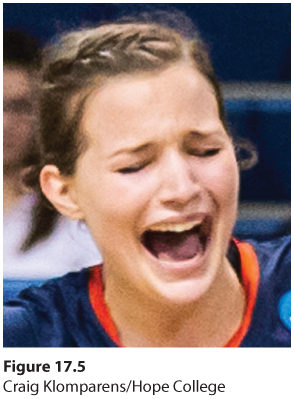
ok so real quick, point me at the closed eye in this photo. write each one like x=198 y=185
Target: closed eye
x=205 y=153
x=132 y=169
x=211 y=152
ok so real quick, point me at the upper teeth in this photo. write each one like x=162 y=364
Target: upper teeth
x=178 y=228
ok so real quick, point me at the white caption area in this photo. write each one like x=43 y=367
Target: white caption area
x=255 y=373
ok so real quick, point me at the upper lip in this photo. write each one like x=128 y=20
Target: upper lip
x=195 y=218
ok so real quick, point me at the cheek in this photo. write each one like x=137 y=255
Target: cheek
x=129 y=195
x=221 y=179
x=115 y=200
x=25 y=126
x=17 y=130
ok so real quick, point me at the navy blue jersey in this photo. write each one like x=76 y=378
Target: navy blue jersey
x=60 y=313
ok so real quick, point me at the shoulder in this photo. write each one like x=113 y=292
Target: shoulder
x=54 y=289
x=271 y=323
x=280 y=247
x=29 y=319
x=56 y=314
x=274 y=258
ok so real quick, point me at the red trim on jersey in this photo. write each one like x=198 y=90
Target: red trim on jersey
x=250 y=279
x=98 y=304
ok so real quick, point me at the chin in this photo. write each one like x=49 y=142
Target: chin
x=184 y=293
x=182 y=284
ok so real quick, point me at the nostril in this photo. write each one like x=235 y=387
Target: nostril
x=180 y=191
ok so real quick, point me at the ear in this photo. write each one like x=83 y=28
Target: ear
x=59 y=190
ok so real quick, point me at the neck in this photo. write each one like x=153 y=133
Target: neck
x=209 y=322
x=11 y=191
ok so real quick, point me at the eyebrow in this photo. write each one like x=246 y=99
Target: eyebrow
x=151 y=145
x=19 y=100
x=17 y=104
x=205 y=133
x=135 y=150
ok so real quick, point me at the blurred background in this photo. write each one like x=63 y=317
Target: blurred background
x=250 y=47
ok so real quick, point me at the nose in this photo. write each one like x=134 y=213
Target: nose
x=179 y=182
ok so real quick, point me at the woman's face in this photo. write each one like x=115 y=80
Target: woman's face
x=158 y=184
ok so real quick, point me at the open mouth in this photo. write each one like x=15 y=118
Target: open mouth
x=178 y=242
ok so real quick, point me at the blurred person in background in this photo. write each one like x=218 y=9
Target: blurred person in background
x=21 y=61
x=67 y=245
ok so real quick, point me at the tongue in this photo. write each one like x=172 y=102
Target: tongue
x=171 y=246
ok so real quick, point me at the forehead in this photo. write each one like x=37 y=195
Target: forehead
x=128 y=107
x=16 y=82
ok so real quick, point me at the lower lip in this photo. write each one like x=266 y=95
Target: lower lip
x=180 y=269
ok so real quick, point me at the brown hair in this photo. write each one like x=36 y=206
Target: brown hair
x=73 y=67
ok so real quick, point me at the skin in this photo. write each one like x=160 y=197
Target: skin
x=157 y=152
x=17 y=120
x=17 y=116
